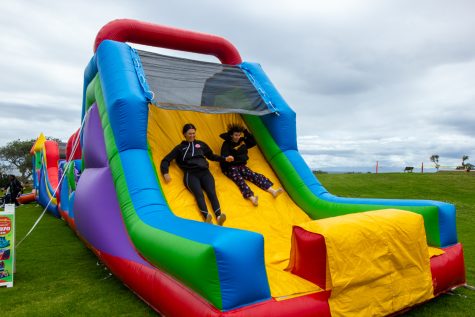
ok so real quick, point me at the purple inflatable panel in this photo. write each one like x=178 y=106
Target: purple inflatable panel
x=96 y=209
x=93 y=140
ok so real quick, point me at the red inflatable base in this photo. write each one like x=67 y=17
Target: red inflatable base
x=69 y=220
x=171 y=298
x=448 y=269
x=26 y=198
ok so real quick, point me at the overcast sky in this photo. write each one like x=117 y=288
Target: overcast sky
x=387 y=81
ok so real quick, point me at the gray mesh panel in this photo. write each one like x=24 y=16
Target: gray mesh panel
x=184 y=84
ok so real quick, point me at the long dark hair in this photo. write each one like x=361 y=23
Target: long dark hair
x=187 y=127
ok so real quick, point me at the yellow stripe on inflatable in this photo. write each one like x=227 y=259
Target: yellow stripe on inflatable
x=273 y=218
x=39 y=144
x=435 y=251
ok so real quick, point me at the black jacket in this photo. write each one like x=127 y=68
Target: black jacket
x=15 y=187
x=237 y=149
x=190 y=157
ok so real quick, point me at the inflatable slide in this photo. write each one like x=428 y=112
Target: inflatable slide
x=45 y=155
x=303 y=253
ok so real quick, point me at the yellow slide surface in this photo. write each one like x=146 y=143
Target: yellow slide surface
x=273 y=218
x=378 y=262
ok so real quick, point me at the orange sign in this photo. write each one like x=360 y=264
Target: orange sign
x=5 y=226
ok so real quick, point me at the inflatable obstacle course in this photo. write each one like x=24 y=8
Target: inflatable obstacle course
x=304 y=253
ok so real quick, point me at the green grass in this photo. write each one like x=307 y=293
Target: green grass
x=58 y=276
x=457 y=188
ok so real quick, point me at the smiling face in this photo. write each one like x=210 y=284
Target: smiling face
x=235 y=136
x=190 y=135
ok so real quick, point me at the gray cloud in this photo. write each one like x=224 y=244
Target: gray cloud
x=461 y=120
x=369 y=80
x=41 y=113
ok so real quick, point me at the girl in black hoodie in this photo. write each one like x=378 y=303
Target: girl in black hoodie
x=191 y=156
x=237 y=140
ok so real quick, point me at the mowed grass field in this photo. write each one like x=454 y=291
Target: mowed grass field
x=58 y=276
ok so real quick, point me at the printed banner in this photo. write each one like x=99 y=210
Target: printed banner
x=7 y=243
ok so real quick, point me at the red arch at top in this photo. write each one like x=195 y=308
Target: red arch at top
x=133 y=31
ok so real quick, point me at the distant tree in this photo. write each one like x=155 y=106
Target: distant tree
x=464 y=165
x=320 y=172
x=435 y=159
x=15 y=157
x=464 y=158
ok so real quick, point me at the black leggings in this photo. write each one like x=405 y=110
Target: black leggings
x=11 y=199
x=196 y=181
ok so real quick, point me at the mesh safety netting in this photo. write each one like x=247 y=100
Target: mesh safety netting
x=184 y=84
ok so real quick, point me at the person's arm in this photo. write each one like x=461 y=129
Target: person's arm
x=165 y=164
x=214 y=157
x=210 y=155
x=249 y=139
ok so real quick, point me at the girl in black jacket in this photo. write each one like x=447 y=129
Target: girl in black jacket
x=191 y=156
x=237 y=140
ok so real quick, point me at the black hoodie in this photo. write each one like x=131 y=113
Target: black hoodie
x=237 y=149
x=190 y=156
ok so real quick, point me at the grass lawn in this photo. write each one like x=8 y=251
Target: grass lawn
x=58 y=276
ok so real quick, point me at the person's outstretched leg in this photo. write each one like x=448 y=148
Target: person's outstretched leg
x=260 y=180
x=192 y=182
x=234 y=174
x=207 y=183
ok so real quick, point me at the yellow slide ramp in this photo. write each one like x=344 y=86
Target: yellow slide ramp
x=273 y=218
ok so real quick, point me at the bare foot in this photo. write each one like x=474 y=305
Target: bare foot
x=254 y=200
x=275 y=192
x=209 y=218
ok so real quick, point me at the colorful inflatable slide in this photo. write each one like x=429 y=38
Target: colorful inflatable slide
x=304 y=253
x=45 y=154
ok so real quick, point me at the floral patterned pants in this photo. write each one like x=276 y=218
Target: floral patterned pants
x=239 y=175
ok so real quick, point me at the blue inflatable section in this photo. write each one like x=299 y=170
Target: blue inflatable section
x=64 y=188
x=71 y=205
x=283 y=130
x=66 y=193
x=78 y=169
x=89 y=74
x=239 y=253
x=43 y=197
